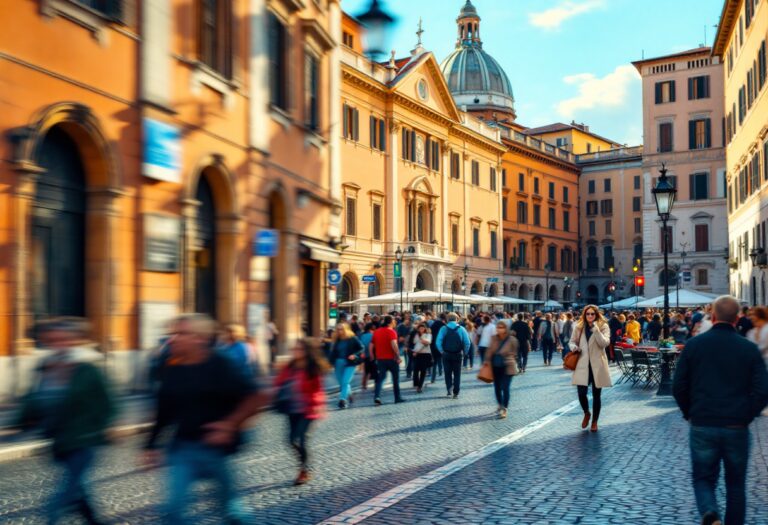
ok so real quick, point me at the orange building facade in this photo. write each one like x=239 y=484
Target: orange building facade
x=139 y=167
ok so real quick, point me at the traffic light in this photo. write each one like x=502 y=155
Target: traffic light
x=639 y=281
x=635 y=268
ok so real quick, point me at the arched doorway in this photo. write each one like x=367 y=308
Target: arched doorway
x=456 y=286
x=374 y=288
x=346 y=290
x=205 y=250
x=523 y=292
x=493 y=291
x=592 y=294
x=477 y=288
x=567 y=294
x=553 y=292
x=58 y=229
x=538 y=293
x=424 y=281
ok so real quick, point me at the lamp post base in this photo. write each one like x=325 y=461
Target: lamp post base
x=665 y=383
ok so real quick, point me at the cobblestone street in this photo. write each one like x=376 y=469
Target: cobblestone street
x=635 y=470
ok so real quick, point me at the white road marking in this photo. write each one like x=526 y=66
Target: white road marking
x=397 y=494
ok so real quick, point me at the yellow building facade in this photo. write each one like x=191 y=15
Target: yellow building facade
x=417 y=174
x=572 y=137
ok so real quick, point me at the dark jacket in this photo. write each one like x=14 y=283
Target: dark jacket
x=343 y=348
x=436 y=326
x=720 y=379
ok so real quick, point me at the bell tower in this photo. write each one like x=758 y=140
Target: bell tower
x=468 y=24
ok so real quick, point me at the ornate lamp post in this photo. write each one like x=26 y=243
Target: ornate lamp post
x=612 y=285
x=399 y=259
x=664 y=196
x=465 y=271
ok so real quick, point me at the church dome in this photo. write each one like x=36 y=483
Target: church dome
x=475 y=78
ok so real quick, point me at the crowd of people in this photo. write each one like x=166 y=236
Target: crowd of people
x=206 y=385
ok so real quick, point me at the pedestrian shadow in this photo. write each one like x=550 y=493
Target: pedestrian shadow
x=440 y=424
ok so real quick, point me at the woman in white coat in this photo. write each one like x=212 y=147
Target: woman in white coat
x=590 y=338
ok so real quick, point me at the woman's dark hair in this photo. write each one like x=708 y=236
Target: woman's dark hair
x=369 y=327
x=656 y=317
x=316 y=364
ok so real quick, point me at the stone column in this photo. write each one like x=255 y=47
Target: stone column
x=228 y=229
x=189 y=214
x=392 y=190
x=445 y=241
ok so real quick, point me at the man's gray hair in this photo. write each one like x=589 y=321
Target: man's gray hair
x=201 y=324
x=726 y=309
x=452 y=317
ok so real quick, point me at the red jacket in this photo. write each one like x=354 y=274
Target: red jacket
x=311 y=388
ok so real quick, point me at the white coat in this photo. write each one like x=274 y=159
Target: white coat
x=592 y=353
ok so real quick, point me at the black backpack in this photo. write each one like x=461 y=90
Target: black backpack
x=452 y=343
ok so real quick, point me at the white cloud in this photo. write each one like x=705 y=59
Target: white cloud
x=553 y=18
x=610 y=91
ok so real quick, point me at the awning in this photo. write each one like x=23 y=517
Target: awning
x=321 y=252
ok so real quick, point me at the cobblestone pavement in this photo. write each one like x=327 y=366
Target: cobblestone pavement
x=635 y=470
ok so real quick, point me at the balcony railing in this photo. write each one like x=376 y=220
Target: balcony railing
x=613 y=154
x=423 y=249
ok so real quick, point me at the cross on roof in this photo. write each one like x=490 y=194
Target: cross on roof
x=420 y=31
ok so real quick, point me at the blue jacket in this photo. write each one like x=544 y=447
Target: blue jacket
x=720 y=379
x=462 y=333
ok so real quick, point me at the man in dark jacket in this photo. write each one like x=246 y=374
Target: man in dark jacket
x=537 y=320
x=616 y=330
x=437 y=359
x=721 y=385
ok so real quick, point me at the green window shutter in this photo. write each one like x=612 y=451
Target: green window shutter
x=708 y=133
x=691 y=134
x=658 y=92
x=382 y=135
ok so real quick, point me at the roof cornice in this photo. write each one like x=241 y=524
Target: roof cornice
x=725 y=27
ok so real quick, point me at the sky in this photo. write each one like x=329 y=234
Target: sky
x=567 y=60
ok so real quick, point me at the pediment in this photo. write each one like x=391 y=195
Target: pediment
x=422 y=81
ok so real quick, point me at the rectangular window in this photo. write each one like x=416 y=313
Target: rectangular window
x=552 y=190
x=589 y=147
x=476 y=242
x=351 y=216
x=522 y=212
x=592 y=232
x=378 y=133
x=638 y=225
x=636 y=182
x=377 y=222
x=552 y=258
x=494 y=247
x=702 y=277
x=312 y=91
x=350 y=123
x=503 y=177
x=699 y=186
x=536 y=215
x=536 y=185
x=699 y=133
x=215 y=42
x=278 y=63
x=698 y=87
x=606 y=185
x=665 y=137
x=552 y=224
x=520 y=182
x=561 y=142
x=504 y=208
x=475 y=173
x=761 y=66
x=591 y=186
x=566 y=221
x=522 y=254
x=591 y=207
x=742 y=104
x=348 y=39
x=606 y=206
x=565 y=193
x=455 y=166
x=665 y=92
x=702 y=237
x=432 y=154
x=635 y=203
x=493 y=179
x=667 y=238
x=455 y=238
x=608 y=257
x=608 y=227
x=408 y=145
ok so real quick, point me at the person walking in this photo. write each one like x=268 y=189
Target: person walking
x=437 y=361
x=346 y=353
x=502 y=356
x=591 y=337
x=404 y=330
x=654 y=328
x=536 y=322
x=744 y=324
x=369 y=365
x=207 y=399
x=453 y=343
x=469 y=359
x=233 y=346
x=301 y=397
x=720 y=385
x=73 y=405
x=633 y=329
x=522 y=331
x=547 y=336
x=422 y=356
x=487 y=331
x=387 y=355
x=565 y=333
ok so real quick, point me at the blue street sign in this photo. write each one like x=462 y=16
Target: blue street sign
x=266 y=243
x=369 y=278
x=492 y=279
x=334 y=277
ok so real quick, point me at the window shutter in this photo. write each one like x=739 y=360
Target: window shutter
x=412 y=155
x=344 y=113
x=404 y=136
x=691 y=87
x=671 y=90
x=705 y=87
x=382 y=135
x=428 y=153
x=372 y=130
x=692 y=186
x=658 y=92
x=356 y=124
x=708 y=133
x=691 y=134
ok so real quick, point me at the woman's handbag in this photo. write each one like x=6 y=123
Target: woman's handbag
x=571 y=360
x=486 y=374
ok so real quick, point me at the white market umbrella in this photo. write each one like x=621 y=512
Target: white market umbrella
x=552 y=304
x=483 y=299
x=428 y=296
x=684 y=298
x=629 y=302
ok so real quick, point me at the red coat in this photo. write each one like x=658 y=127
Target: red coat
x=311 y=388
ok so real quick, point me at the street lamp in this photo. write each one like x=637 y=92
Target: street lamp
x=546 y=285
x=612 y=285
x=664 y=196
x=399 y=259
x=377 y=23
x=465 y=271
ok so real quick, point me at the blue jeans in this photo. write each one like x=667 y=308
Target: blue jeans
x=388 y=365
x=344 y=375
x=452 y=368
x=189 y=462
x=437 y=365
x=710 y=446
x=71 y=489
x=547 y=349
x=522 y=354
x=501 y=384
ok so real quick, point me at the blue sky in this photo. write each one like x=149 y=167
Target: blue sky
x=567 y=59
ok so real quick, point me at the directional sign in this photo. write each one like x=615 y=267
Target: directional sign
x=398 y=269
x=369 y=278
x=266 y=243
x=492 y=279
x=334 y=277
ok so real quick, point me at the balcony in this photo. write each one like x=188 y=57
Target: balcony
x=537 y=144
x=418 y=249
x=613 y=154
